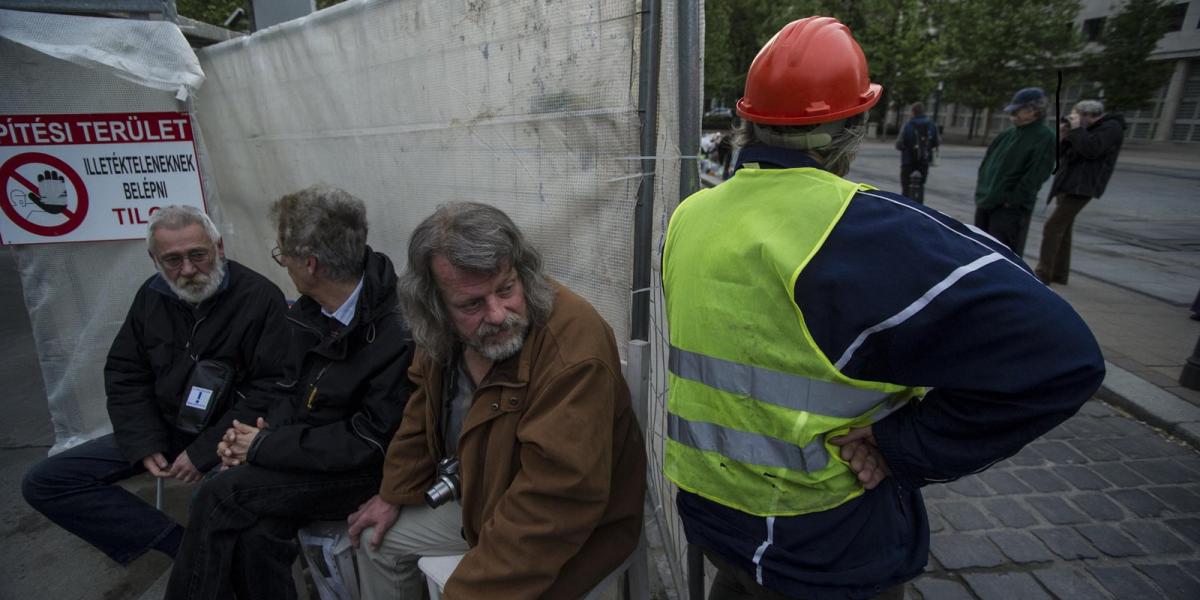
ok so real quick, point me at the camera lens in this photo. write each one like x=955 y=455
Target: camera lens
x=447 y=486
x=439 y=493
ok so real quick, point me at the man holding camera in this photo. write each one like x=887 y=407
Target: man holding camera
x=316 y=454
x=519 y=378
x=1091 y=141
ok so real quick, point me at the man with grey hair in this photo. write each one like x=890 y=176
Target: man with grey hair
x=316 y=454
x=199 y=307
x=519 y=380
x=1090 y=143
x=834 y=348
x=1016 y=164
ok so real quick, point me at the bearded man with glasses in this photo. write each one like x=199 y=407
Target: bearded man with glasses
x=198 y=308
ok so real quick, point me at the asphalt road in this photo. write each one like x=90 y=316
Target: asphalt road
x=1143 y=234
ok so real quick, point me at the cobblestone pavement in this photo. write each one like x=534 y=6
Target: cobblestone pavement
x=1101 y=507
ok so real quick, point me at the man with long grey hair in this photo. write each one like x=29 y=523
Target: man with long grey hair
x=834 y=348
x=519 y=384
x=198 y=308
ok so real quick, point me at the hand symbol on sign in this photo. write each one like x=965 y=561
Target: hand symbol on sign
x=52 y=192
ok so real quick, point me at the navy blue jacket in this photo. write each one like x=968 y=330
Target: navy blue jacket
x=1006 y=360
x=344 y=390
x=907 y=142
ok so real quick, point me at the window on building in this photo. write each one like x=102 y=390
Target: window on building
x=1093 y=29
x=1175 y=15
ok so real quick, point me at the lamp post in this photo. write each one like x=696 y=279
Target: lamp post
x=937 y=102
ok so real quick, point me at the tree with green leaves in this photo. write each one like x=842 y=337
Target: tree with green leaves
x=993 y=49
x=901 y=50
x=214 y=12
x=1126 y=75
x=734 y=32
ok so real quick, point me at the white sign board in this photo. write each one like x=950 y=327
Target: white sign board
x=89 y=177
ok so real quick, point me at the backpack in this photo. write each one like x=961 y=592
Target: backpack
x=923 y=151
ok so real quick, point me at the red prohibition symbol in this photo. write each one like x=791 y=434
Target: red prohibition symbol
x=74 y=217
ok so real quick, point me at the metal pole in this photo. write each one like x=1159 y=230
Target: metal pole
x=643 y=238
x=690 y=95
x=690 y=100
x=695 y=569
x=1190 y=376
x=937 y=104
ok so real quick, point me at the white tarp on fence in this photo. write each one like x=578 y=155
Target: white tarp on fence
x=77 y=294
x=530 y=106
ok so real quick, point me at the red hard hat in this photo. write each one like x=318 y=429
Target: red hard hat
x=812 y=71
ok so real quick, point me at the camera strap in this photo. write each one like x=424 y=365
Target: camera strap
x=458 y=389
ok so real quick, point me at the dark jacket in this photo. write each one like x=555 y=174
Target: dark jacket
x=345 y=389
x=1016 y=165
x=909 y=141
x=552 y=461
x=151 y=360
x=1087 y=156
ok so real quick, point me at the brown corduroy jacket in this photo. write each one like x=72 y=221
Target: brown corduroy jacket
x=552 y=461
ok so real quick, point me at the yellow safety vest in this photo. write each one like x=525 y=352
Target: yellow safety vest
x=752 y=399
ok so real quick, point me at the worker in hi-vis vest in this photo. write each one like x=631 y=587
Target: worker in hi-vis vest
x=834 y=348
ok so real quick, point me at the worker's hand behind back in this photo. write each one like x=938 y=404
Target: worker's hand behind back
x=861 y=452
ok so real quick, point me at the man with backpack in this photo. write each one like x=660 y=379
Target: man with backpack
x=916 y=143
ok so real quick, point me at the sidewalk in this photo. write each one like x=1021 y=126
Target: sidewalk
x=1145 y=343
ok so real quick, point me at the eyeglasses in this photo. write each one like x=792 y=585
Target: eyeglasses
x=175 y=261
x=277 y=255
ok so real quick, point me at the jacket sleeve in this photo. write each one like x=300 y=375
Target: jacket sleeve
x=129 y=385
x=1035 y=170
x=1007 y=360
x=987 y=166
x=257 y=388
x=346 y=444
x=409 y=468
x=560 y=494
x=1092 y=144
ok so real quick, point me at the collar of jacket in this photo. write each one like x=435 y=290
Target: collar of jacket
x=1032 y=125
x=777 y=158
x=377 y=300
x=159 y=284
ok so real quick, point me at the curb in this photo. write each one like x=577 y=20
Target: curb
x=1151 y=403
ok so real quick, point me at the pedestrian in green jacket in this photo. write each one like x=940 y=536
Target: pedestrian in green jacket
x=1016 y=165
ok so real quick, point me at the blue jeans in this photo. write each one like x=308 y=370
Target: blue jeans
x=241 y=536
x=77 y=490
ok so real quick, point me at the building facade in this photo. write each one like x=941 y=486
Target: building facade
x=1174 y=115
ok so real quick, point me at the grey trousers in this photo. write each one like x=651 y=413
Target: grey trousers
x=391 y=570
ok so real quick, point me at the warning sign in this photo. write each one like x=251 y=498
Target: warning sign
x=88 y=177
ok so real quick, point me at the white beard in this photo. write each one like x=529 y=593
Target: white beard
x=506 y=347
x=198 y=287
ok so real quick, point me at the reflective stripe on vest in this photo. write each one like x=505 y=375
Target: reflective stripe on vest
x=795 y=392
x=750 y=448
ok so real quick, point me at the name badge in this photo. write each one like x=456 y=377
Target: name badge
x=198 y=398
